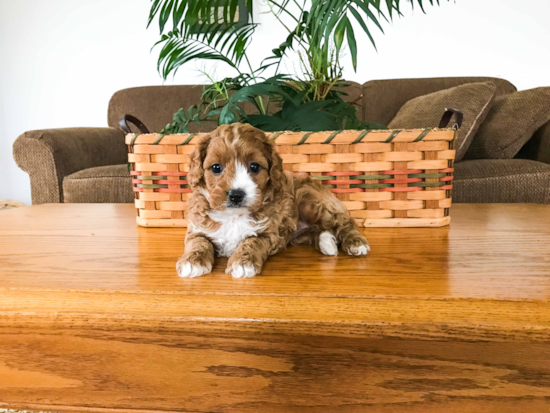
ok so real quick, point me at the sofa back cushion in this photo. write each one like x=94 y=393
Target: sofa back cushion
x=382 y=99
x=511 y=122
x=155 y=105
x=472 y=99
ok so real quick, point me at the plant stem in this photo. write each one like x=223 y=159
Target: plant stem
x=282 y=9
x=277 y=17
x=259 y=100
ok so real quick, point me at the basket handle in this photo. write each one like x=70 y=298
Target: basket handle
x=447 y=116
x=123 y=123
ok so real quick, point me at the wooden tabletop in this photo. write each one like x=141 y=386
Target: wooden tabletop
x=94 y=317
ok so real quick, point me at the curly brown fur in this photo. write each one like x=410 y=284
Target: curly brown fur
x=253 y=209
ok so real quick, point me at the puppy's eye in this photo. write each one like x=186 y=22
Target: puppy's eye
x=216 y=169
x=255 y=167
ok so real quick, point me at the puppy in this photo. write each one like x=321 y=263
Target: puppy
x=245 y=207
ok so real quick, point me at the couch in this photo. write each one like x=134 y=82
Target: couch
x=89 y=164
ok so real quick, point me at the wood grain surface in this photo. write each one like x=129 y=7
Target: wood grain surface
x=94 y=319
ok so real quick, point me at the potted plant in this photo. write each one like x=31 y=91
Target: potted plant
x=221 y=30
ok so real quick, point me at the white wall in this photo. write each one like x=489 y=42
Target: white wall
x=61 y=60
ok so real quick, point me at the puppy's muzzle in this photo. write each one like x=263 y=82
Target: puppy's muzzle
x=236 y=197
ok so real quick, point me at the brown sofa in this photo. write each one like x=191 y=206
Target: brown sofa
x=89 y=164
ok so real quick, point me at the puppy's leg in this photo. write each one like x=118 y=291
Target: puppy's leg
x=335 y=228
x=249 y=257
x=330 y=221
x=348 y=236
x=352 y=241
x=198 y=257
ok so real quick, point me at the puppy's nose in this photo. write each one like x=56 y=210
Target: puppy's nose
x=236 y=196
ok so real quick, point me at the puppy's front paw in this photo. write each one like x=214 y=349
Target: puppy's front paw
x=192 y=268
x=241 y=266
x=243 y=271
x=327 y=243
x=356 y=245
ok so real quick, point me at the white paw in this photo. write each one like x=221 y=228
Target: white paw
x=243 y=271
x=187 y=270
x=327 y=243
x=359 y=250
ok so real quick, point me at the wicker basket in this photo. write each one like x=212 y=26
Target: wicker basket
x=386 y=178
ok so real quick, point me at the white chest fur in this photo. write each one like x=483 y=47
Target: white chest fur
x=235 y=225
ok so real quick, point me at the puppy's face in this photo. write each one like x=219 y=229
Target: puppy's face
x=234 y=168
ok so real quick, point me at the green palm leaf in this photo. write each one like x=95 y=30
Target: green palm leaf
x=327 y=21
x=227 y=45
x=192 y=12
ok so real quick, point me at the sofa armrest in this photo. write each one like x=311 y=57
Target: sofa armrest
x=538 y=147
x=51 y=154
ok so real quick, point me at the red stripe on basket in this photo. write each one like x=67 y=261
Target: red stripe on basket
x=401 y=172
x=345 y=190
x=174 y=191
x=446 y=187
x=343 y=181
x=162 y=181
x=446 y=178
x=180 y=182
x=171 y=173
x=403 y=189
x=447 y=170
x=400 y=181
x=159 y=173
x=342 y=173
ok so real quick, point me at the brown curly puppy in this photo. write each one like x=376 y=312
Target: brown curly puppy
x=244 y=206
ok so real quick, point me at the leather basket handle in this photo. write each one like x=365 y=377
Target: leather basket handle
x=123 y=123
x=447 y=116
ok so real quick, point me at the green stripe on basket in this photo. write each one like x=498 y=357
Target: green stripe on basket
x=392 y=136
x=134 y=138
x=306 y=135
x=422 y=135
x=370 y=186
x=188 y=139
x=157 y=141
x=155 y=186
x=428 y=184
x=361 y=136
x=332 y=136
x=323 y=177
x=329 y=186
x=370 y=177
x=150 y=178
x=434 y=175
x=275 y=135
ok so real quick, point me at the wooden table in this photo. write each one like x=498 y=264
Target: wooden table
x=94 y=319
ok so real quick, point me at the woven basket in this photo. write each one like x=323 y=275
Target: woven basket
x=386 y=178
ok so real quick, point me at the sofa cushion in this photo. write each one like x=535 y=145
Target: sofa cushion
x=473 y=99
x=382 y=99
x=511 y=122
x=155 y=105
x=111 y=184
x=501 y=180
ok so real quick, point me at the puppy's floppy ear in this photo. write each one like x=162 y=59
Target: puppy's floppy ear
x=276 y=173
x=195 y=177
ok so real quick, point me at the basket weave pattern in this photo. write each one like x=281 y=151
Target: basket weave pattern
x=386 y=178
